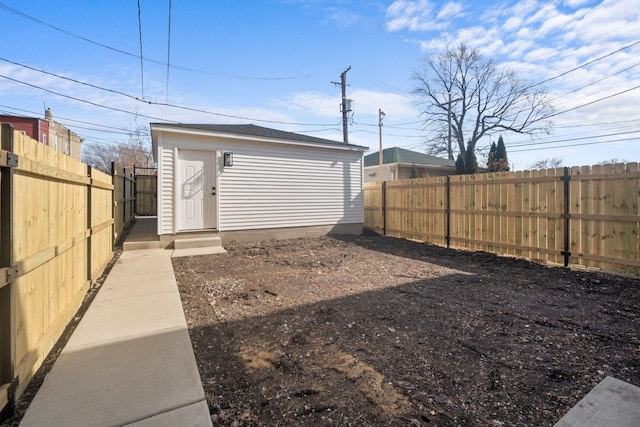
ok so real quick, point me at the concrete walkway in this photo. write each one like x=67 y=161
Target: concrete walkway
x=130 y=360
x=612 y=403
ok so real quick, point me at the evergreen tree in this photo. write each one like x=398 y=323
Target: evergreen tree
x=470 y=161
x=492 y=158
x=460 y=165
x=414 y=172
x=501 y=156
x=497 y=161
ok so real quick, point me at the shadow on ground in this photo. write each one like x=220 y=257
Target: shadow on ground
x=382 y=331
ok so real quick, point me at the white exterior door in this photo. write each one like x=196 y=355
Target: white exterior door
x=196 y=208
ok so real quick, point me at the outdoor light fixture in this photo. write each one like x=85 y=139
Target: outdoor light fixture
x=228 y=159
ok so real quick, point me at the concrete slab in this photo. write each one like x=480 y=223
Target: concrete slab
x=117 y=383
x=136 y=246
x=144 y=229
x=127 y=286
x=115 y=319
x=210 y=250
x=197 y=242
x=143 y=235
x=195 y=415
x=130 y=359
x=142 y=262
x=612 y=403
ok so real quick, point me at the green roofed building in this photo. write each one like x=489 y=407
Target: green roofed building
x=398 y=163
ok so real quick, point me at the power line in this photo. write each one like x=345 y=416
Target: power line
x=73 y=80
x=595 y=82
x=141 y=60
x=591 y=102
x=597 y=124
x=523 y=144
x=63 y=119
x=585 y=64
x=123 y=52
x=168 y=55
x=80 y=100
x=141 y=100
x=576 y=145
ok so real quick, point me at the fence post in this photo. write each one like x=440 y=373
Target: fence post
x=8 y=383
x=383 y=188
x=113 y=205
x=89 y=224
x=125 y=202
x=448 y=212
x=135 y=191
x=566 y=178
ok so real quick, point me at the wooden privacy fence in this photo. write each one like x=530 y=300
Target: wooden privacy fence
x=124 y=199
x=59 y=219
x=585 y=216
x=146 y=184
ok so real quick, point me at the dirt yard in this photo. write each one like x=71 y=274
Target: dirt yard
x=370 y=330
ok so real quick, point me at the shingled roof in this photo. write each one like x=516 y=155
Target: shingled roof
x=259 y=131
x=400 y=155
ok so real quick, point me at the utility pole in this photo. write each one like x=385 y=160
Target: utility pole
x=449 y=148
x=380 y=117
x=345 y=106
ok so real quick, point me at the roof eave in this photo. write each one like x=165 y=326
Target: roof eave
x=164 y=127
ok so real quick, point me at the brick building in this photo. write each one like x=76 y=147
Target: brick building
x=47 y=131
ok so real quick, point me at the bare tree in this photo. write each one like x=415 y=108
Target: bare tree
x=135 y=152
x=613 y=161
x=550 y=163
x=478 y=99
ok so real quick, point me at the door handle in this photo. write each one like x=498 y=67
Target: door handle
x=213 y=193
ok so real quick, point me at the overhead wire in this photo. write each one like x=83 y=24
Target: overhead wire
x=80 y=100
x=192 y=109
x=584 y=65
x=62 y=119
x=168 y=58
x=289 y=123
x=141 y=57
x=591 y=102
x=134 y=55
x=575 y=145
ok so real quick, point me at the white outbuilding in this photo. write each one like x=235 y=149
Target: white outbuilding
x=247 y=182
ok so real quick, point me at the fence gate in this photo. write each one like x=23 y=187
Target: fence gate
x=146 y=191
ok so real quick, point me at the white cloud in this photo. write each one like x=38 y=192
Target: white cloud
x=314 y=103
x=450 y=10
x=366 y=102
x=421 y=15
x=512 y=23
x=410 y=15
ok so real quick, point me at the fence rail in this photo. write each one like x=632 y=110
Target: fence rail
x=584 y=216
x=57 y=228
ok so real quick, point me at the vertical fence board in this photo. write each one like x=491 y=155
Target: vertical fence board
x=62 y=228
x=522 y=213
x=577 y=204
x=632 y=231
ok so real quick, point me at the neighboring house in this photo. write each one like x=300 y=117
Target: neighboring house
x=47 y=131
x=246 y=182
x=397 y=163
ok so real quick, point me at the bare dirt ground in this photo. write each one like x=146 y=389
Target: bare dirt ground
x=380 y=331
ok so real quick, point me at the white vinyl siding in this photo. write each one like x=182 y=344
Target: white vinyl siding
x=166 y=185
x=270 y=185
x=290 y=186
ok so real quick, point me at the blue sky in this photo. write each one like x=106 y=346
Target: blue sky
x=272 y=63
